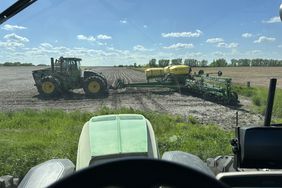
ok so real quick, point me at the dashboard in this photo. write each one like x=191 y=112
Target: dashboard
x=264 y=179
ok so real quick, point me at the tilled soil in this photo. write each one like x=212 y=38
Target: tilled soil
x=17 y=91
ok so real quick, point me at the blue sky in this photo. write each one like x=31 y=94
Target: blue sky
x=108 y=32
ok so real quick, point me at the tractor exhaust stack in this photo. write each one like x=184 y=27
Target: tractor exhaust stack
x=52 y=64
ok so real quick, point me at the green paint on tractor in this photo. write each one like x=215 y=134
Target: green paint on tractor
x=118 y=134
x=111 y=137
x=65 y=74
x=180 y=78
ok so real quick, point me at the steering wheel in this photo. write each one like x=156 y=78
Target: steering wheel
x=138 y=173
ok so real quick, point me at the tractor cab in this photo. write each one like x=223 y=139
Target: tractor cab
x=109 y=137
x=68 y=66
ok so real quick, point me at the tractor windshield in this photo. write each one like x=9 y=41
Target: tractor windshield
x=78 y=65
x=195 y=69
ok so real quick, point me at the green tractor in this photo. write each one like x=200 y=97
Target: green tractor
x=65 y=74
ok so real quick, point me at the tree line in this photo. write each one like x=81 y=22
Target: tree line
x=256 y=62
x=215 y=63
x=16 y=64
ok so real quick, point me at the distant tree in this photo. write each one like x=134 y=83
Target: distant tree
x=191 y=62
x=176 y=61
x=255 y=62
x=234 y=63
x=219 y=63
x=153 y=63
x=244 y=62
x=17 y=64
x=163 y=62
x=26 y=64
x=8 y=64
x=203 y=63
x=135 y=65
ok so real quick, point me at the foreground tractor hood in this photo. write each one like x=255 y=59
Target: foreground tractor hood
x=115 y=136
x=47 y=173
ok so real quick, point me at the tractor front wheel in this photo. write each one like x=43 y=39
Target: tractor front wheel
x=49 y=87
x=94 y=86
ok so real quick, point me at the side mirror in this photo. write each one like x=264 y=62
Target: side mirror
x=280 y=12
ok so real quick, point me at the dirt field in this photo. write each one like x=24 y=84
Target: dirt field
x=258 y=76
x=17 y=91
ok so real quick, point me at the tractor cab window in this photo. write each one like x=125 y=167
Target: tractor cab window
x=65 y=64
x=78 y=65
x=72 y=65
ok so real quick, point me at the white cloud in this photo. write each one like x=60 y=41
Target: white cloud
x=183 y=34
x=101 y=43
x=91 y=38
x=87 y=38
x=145 y=26
x=90 y=57
x=218 y=54
x=179 y=46
x=214 y=40
x=247 y=35
x=275 y=19
x=11 y=45
x=226 y=45
x=264 y=39
x=15 y=38
x=46 y=45
x=123 y=52
x=255 y=51
x=194 y=55
x=9 y=27
x=103 y=37
x=279 y=46
x=140 y=48
x=124 y=21
x=12 y=41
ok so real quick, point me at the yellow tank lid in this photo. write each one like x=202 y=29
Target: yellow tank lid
x=153 y=69
x=179 y=69
x=178 y=66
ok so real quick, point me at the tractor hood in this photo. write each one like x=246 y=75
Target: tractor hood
x=115 y=136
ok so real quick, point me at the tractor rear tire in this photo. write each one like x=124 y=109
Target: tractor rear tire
x=49 y=87
x=94 y=86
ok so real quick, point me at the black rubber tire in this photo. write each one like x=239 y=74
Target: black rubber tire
x=98 y=88
x=201 y=72
x=103 y=78
x=219 y=73
x=49 y=87
x=233 y=99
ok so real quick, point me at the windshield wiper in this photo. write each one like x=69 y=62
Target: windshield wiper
x=14 y=9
